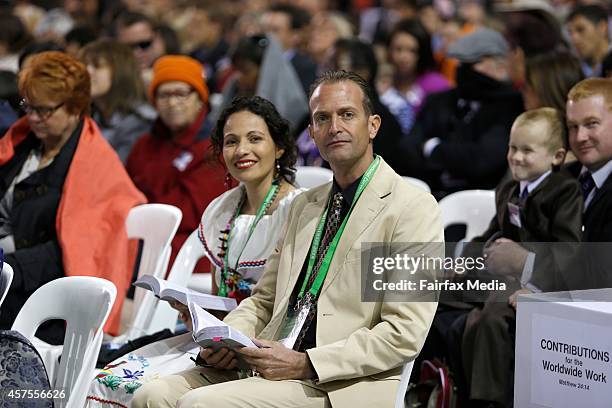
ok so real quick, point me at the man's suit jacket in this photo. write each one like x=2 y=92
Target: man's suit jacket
x=598 y=215
x=360 y=346
x=593 y=265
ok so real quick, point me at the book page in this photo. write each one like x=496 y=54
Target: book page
x=151 y=283
x=204 y=300
x=171 y=291
x=207 y=301
x=201 y=318
x=211 y=327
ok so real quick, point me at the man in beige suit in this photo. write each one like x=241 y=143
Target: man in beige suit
x=348 y=353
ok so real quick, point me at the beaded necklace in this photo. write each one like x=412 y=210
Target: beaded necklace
x=230 y=284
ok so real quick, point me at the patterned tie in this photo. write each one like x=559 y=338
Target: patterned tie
x=586 y=183
x=331 y=227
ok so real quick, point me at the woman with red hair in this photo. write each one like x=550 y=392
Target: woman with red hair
x=64 y=194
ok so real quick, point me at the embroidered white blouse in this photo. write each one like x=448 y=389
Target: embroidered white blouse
x=262 y=242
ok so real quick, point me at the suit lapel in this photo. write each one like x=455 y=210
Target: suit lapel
x=599 y=193
x=510 y=196
x=367 y=208
x=309 y=218
x=305 y=229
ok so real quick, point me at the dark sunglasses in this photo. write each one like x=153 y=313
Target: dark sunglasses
x=143 y=45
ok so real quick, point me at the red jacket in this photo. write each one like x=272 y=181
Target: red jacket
x=90 y=222
x=180 y=171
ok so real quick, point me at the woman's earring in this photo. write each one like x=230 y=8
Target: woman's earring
x=228 y=181
x=277 y=172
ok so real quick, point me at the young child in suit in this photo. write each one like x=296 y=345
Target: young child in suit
x=541 y=203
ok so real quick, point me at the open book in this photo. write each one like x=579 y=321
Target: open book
x=208 y=331
x=169 y=291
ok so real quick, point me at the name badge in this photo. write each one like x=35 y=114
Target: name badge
x=293 y=325
x=514 y=211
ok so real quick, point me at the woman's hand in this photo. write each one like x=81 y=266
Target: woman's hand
x=184 y=314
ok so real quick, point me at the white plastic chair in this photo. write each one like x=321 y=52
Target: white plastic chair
x=84 y=302
x=312 y=176
x=473 y=208
x=202 y=282
x=418 y=183
x=156 y=225
x=400 y=397
x=6 y=278
x=181 y=273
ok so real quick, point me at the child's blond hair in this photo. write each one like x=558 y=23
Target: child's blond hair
x=557 y=137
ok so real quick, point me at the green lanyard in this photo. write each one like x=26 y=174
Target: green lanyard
x=260 y=213
x=316 y=241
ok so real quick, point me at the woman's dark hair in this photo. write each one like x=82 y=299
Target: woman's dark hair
x=82 y=35
x=171 y=41
x=277 y=125
x=14 y=34
x=361 y=56
x=38 y=47
x=250 y=49
x=552 y=75
x=415 y=28
x=533 y=34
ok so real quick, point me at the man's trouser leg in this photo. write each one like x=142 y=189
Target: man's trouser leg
x=166 y=391
x=493 y=354
x=215 y=389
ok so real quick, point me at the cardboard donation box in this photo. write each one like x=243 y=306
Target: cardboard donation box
x=564 y=350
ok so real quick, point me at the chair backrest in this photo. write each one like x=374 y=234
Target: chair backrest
x=400 y=397
x=84 y=302
x=312 y=176
x=156 y=225
x=418 y=183
x=473 y=208
x=5 y=281
x=190 y=253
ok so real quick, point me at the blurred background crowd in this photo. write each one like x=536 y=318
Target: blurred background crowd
x=449 y=77
x=455 y=140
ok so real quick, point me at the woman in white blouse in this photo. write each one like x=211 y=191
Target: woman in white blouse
x=239 y=229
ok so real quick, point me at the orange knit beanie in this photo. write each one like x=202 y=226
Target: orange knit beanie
x=178 y=68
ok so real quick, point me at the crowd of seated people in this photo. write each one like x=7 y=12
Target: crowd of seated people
x=167 y=97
